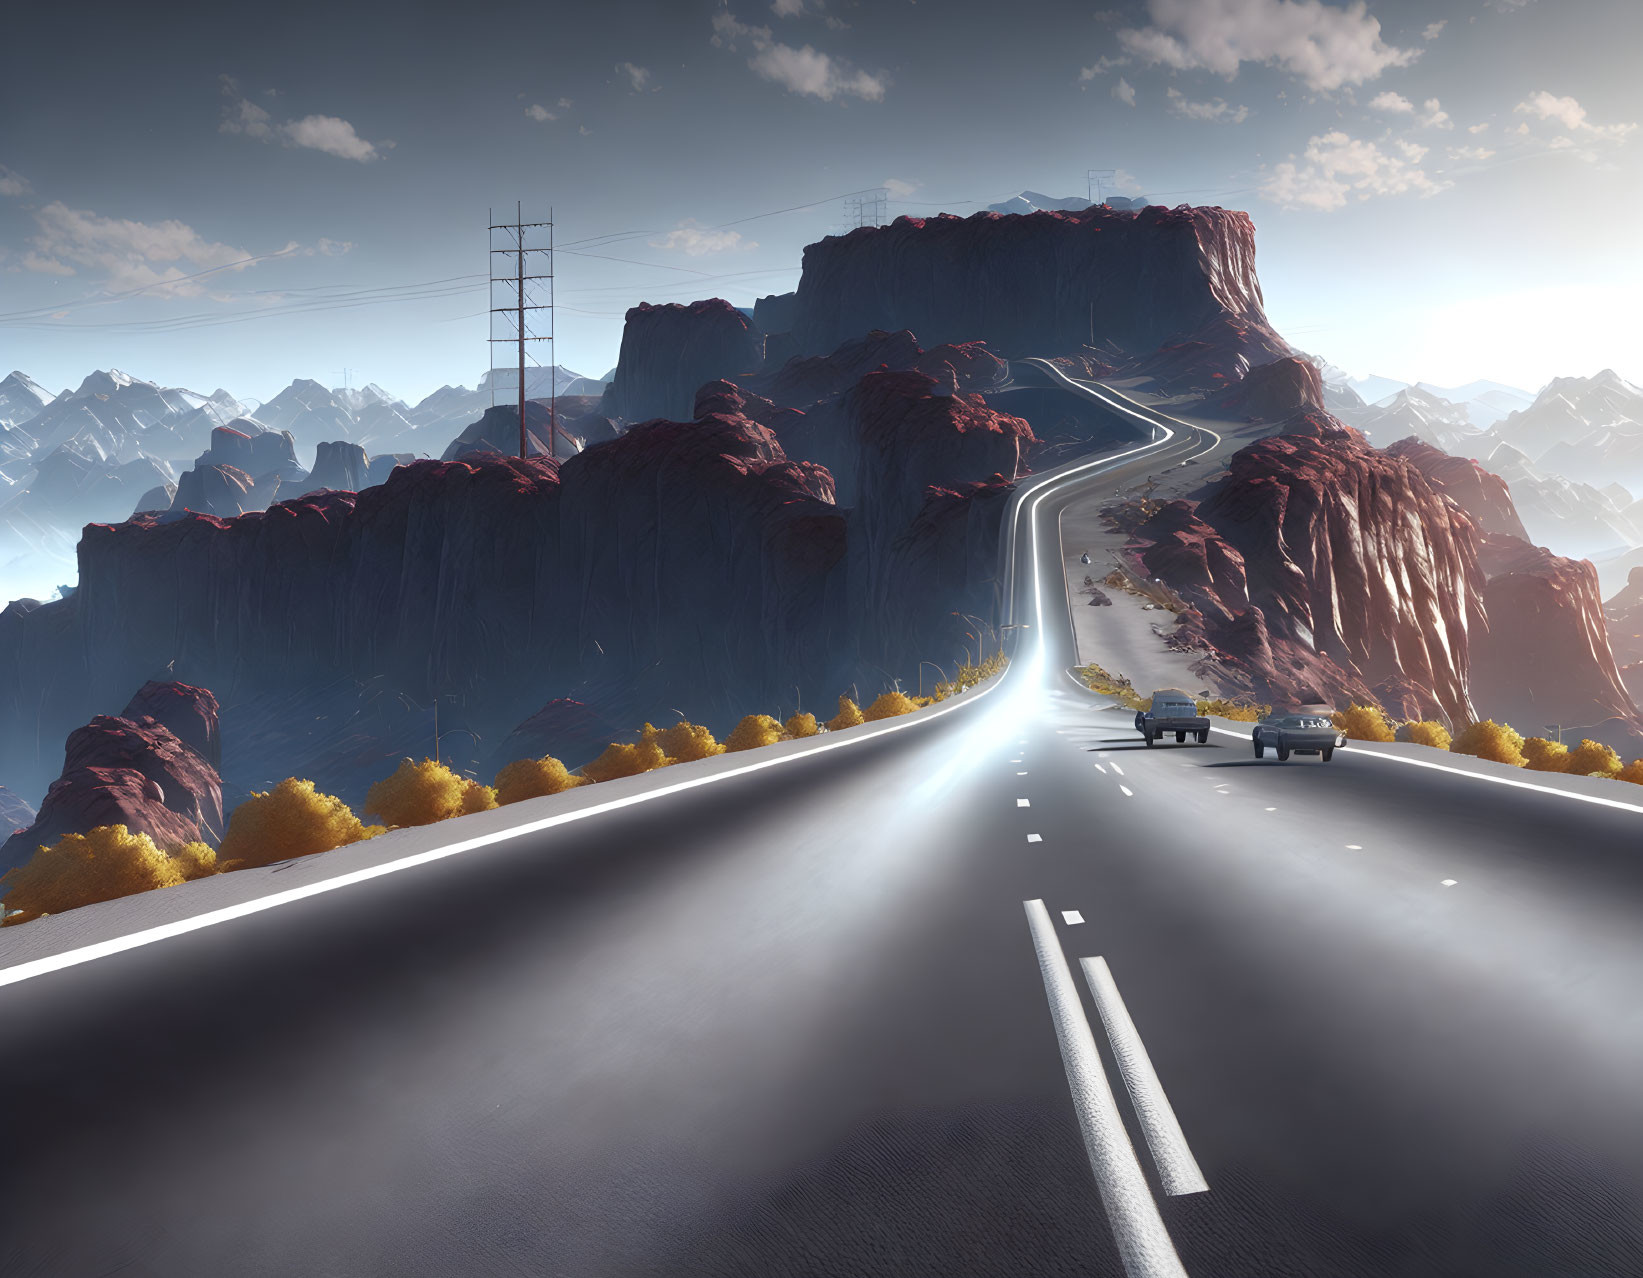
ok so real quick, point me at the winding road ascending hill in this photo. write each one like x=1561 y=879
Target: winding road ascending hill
x=830 y=1017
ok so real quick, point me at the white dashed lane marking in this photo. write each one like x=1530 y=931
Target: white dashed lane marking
x=1072 y=917
x=1449 y=883
x=1100 y=769
x=1023 y=803
x=1350 y=847
x=1035 y=838
x=1117 y=769
x=1128 y=793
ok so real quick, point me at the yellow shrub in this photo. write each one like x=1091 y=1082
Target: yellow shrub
x=1426 y=732
x=620 y=760
x=291 y=820
x=534 y=778
x=802 y=725
x=1490 y=740
x=1632 y=772
x=1593 y=759
x=753 y=731
x=685 y=742
x=888 y=705
x=849 y=716
x=108 y=862
x=477 y=797
x=1541 y=755
x=422 y=793
x=1221 y=708
x=1364 y=723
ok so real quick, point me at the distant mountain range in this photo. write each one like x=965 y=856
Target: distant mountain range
x=118 y=443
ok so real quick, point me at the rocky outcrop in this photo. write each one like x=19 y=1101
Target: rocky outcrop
x=498 y=432
x=190 y=713
x=668 y=351
x=132 y=771
x=383 y=464
x=1481 y=494
x=246 y=447
x=1624 y=614
x=1364 y=576
x=771 y=314
x=224 y=491
x=1546 y=658
x=1275 y=392
x=340 y=465
x=1042 y=283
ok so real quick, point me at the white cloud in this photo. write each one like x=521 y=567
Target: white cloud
x=130 y=254
x=1321 y=45
x=806 y=71
x=1472 y=154
x=329 y=134
x=1100 y=66
x=898 y=189
x=42 y=265
x=1434 y=29
x=1218 y=111
x=564 y=104
x=694 y=240
x=13 y=184
x=638 y=77
x=1336 y=168
x=325 y=133
x=1433 y=116
x=787 y=8
x=1571 y=115
x=1124 y=91
x=541 y=115
x=1392 y=102
x=1478 y=128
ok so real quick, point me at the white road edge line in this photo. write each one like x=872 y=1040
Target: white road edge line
x=1144 y=1244
x=1177 y=1168
x=181 y=927
x=1476 y=776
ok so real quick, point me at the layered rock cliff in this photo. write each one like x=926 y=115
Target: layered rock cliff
x=668 y=351
x=1480 y=493
x=1043 y=283
x=134 y=770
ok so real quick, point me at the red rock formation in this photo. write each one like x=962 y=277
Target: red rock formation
x=1481 y=494
x=1039 y=283
x=1349 y=555
x=341 y=466
x=225 y=491
x=962 y=366
x=1624 y=614
x=1276 y=392
x=190 y=713
x=1546 y=657
x=132 y=772
x=668 y=351
x=1192 y=557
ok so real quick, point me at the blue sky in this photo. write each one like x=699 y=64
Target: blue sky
x=1443 y=191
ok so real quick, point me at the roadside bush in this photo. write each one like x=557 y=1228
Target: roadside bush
x=685 y=742
x=1364 y=723
x=888 y=705
x=621 y=760
x=802 y=725
x=1593 y=759
x=849 y=716
x=426 y=792
x=293 y=819
x=1541 y=755
x=1426 y=732
x=534 y=779
x=753 y=731
x=1632 y=772
x=108 y=862
x=1490 y=740
x=1221 y=708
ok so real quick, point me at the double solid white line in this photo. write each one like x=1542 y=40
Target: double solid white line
x=1143 y=1243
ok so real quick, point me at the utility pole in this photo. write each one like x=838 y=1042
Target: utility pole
x=516 y=252
x=1098 y=181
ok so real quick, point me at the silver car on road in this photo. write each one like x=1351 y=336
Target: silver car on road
x=1297 y=734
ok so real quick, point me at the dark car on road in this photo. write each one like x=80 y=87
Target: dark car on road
x=1297 y=734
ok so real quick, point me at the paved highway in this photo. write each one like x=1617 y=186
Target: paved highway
x=832 y=1018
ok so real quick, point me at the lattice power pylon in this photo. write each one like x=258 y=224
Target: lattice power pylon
x=524 y=271
x=867 y=208
x=1100 y=182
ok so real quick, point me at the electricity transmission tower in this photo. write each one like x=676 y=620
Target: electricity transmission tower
x=523 y=267
x=870 y=208
x=1100 y=181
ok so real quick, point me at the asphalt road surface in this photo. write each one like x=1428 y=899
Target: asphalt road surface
x=803 y=1022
